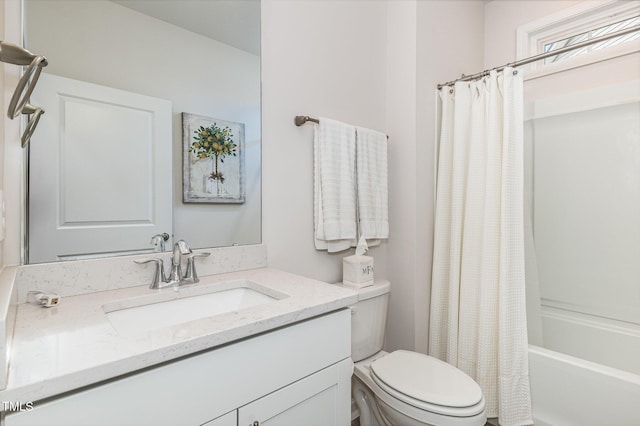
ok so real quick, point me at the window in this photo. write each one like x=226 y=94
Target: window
x=578 y=24
x=591 y=34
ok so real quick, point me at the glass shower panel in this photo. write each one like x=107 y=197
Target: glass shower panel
x=584 y=201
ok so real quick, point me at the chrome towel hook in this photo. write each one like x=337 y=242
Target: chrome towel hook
x=19 y=104
x=35 y=112
x=25 y=87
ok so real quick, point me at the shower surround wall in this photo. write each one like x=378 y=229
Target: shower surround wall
x=586 y=181
x=606 y=394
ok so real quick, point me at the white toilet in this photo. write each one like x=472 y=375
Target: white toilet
x=405 y=388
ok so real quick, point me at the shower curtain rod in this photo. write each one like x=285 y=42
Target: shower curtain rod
x=542 y=56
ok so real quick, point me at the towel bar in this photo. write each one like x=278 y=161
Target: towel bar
x=299 y=120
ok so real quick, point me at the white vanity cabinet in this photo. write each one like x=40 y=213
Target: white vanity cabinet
x=295 y=375
x=312 y=401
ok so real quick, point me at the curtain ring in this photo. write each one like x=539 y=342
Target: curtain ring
x=451 y=91
x=515 y=72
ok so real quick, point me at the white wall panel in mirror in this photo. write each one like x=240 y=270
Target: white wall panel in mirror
x=119 y=45
x=96 y=130
x=98 y=171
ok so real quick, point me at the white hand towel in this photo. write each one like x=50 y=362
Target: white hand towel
x=371 y=171
x=334 y=185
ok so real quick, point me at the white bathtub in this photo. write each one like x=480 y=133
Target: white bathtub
x=568 y=391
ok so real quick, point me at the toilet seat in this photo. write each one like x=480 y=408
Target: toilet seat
x=441 y=410
x=427 y=383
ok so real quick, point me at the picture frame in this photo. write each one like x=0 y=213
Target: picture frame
x=213 y=160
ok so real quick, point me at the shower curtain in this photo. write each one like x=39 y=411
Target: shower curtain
x=478 y=312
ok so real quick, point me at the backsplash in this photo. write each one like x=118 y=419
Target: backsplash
x=90 y=276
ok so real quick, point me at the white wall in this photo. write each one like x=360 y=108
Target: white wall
x=449 y=44
x=421 y=39
x=502 y=17
x=323 y=59
x=374 y=64
x=148 y=56
x=403 y=186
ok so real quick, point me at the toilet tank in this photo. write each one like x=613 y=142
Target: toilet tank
x=369 y=320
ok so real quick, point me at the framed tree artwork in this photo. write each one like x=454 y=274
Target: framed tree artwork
x=213 y=160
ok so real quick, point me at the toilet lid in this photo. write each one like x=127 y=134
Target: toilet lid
x=427 y=379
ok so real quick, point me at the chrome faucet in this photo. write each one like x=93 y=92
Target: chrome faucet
x=180 y=248
x=176 y=278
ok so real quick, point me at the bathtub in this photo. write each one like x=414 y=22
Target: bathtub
x=569 y=391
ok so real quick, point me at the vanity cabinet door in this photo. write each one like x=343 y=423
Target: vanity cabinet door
x=322 y=399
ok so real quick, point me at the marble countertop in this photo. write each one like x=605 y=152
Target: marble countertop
x=55 y=350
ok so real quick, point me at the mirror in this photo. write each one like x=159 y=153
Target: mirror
x=196 y=58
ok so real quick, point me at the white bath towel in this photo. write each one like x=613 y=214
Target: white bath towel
x=372 y=187
x=334 y=185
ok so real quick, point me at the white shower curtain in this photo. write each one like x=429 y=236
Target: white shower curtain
x=478 y=312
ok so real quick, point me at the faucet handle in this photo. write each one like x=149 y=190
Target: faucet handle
x=158 y=241
x=191 y=275
x=182 y=247
x=158 y=275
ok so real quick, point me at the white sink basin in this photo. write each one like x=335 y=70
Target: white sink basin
x=169 y=307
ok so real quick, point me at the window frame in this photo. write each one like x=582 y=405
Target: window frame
x=532 y=37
